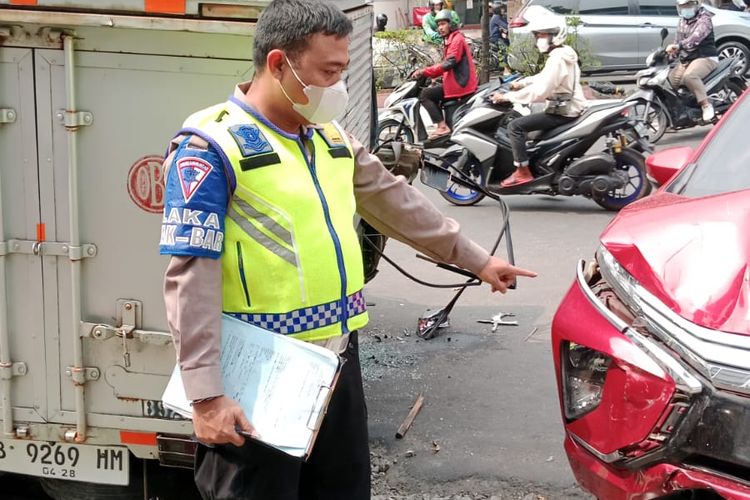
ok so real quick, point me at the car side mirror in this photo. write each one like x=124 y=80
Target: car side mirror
x=663 y=166
x=664 y=34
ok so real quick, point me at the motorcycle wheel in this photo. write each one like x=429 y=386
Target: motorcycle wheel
x=457 y=194
x=656 y=122
x=633 y=165
x=388 y=129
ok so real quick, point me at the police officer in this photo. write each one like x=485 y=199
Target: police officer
x=261 y=193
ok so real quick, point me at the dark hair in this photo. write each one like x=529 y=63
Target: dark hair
x=287 y=25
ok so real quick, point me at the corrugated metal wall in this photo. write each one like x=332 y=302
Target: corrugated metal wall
x=359 y=80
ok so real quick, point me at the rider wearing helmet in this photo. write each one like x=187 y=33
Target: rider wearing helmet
x=457 y=69
x=558 y=82
x=695 y=47
x=380 y=21
x=429 y=22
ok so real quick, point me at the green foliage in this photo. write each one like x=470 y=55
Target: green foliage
x=526 y=59
x=396 y=54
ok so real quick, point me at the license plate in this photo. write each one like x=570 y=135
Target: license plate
x=93 y=464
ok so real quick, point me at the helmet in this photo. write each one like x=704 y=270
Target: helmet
x=551 y=24
x=433 y=3
x=381 y=20
x=446 y=15
x=680 y=3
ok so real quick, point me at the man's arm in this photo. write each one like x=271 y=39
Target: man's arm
x=402 y=212
x=192 y=295
x=196 y=198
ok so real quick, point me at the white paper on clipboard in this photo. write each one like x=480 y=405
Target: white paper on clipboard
x=282 y=384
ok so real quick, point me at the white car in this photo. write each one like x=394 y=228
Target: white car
x=621 y=33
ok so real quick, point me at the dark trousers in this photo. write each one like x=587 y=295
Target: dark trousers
x=520 y=127
x=431 y=97
x=337 y=469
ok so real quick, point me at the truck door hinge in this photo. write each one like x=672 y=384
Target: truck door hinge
x=73 y=120
x=10 y=370
x=50 y=248
x=82 y=375
x=7 y=115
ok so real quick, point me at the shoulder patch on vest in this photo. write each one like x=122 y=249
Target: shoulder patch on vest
x=332 y=136
x=337 y=146
x=250 y=140
x=192 y=172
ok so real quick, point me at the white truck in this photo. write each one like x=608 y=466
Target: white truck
x=90 y=94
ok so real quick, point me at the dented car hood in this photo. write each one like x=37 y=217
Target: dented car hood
x=692 y=253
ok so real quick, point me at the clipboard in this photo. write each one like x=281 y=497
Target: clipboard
x=283 y=385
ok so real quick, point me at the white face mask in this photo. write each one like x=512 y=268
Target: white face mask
x=323 y=103
x=688 y=12
x=542 y=44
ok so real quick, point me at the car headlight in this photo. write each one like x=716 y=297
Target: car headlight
x=625 y=286
x=584 y=372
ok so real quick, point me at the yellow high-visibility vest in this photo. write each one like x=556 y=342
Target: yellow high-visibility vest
x=291 y=261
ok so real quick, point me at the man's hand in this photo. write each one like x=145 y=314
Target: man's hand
x=215 y=420
x=672 y=49
x=419 y=73
x=501 y=275
x=498 y=97
x=516 y=85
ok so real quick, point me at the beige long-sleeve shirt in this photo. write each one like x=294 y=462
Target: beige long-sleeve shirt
x=560 y=75
x=193 y=285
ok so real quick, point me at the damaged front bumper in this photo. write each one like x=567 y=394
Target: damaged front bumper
x=661 y=425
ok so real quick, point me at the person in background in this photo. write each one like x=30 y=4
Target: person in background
x=380 y=21
x=429 y=23
x=499 y=40
x=695 y=48
x=457 y=69
x=559 y=83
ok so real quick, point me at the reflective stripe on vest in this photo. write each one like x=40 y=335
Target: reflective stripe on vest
x=291 y=261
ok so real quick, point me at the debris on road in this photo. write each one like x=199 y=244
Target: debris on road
x=497 y=320
x=435 y=447
x=530 y=334
x=406 y=424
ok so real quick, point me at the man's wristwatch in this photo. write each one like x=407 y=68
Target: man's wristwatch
x=203 y=400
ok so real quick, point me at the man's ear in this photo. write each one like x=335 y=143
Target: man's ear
x=274 y=62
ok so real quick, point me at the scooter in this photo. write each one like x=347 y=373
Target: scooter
x=405 y=119
x=613 y=177
x=659 y=105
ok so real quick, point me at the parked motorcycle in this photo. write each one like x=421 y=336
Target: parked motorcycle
x=660 y=106
x=613 y=177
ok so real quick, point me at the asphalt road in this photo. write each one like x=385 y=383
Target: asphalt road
x=490 y=424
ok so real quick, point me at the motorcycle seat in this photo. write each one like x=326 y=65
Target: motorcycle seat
x=456 y=101
x=723 y=65
x=546 y=134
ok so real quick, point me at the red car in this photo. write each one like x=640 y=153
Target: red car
x=651 y=344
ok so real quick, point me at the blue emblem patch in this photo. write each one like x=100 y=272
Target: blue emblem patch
x=250 y=140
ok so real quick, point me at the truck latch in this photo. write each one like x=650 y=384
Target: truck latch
x=129 y=317
x=10 y=370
